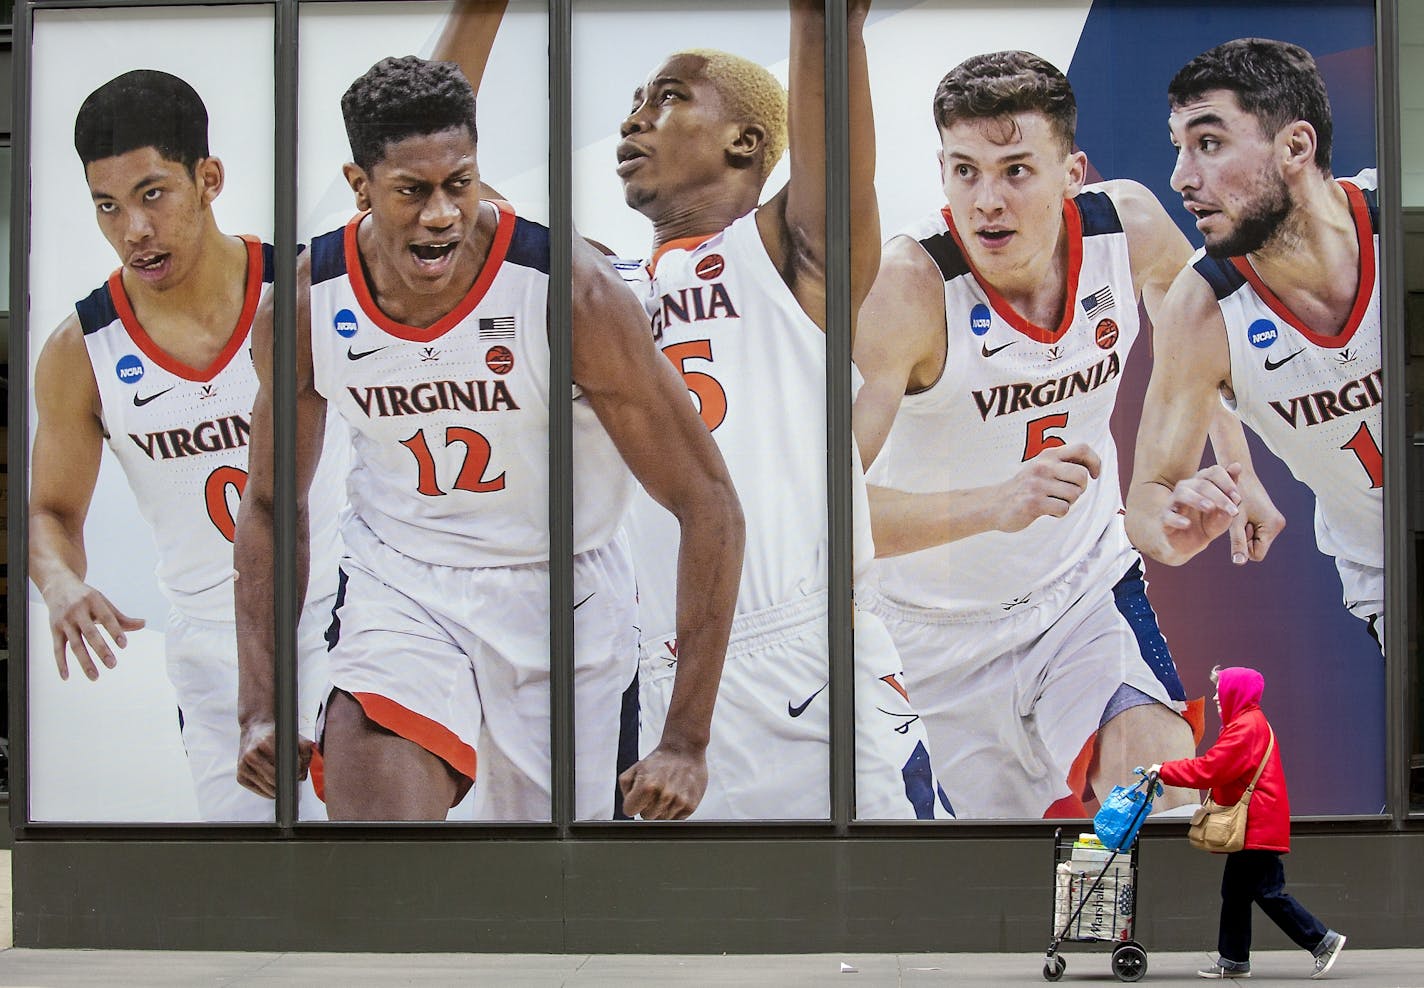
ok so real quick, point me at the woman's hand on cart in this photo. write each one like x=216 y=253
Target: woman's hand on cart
x=1152 y=775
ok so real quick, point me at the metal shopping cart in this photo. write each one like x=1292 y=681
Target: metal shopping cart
x=1095 y=893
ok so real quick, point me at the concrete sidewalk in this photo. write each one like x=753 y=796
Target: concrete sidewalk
x=28 y=968
x=157 y=969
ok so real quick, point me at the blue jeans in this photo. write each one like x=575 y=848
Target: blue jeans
x=1257 y=876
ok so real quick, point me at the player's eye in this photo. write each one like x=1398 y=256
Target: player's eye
x=1017 y=171
x=1208 y=144
x=150 y=195
x=107 y=208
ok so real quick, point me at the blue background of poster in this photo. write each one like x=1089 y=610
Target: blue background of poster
x=1325 y=683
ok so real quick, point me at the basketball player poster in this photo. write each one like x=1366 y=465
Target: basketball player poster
x=107 y=737
x=972 y=639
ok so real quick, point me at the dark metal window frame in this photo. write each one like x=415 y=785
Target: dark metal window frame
x=841 y=824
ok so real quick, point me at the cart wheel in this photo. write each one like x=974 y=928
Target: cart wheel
x=1129 y=962
x=1053 y=968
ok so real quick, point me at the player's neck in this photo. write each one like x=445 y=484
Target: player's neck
x=1035 y=290
x=1315 y=243
x=700 y=213
x=199 y=313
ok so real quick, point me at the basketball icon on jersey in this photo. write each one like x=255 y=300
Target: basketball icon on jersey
x=980 y=319
x=345 y=324
x=129 y=369
x=500 y=359
x=710 y=267
x=1106 y=334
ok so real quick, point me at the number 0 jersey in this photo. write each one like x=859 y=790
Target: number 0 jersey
x=1010 y=389
x=1315 y=400
x=181 y=435
x=755 y=366
x=450 y=423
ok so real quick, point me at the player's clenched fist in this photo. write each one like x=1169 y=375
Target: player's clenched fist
x=1048 y=484
x=257 y=757
x=667 y=785
x=76 y=613
x=1201 y=507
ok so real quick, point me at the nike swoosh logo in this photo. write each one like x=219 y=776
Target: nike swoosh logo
x=1273 y=364
x=584 y=601
x=989 y=353
x=798 y=711
x=140 y=402
x=353 y=355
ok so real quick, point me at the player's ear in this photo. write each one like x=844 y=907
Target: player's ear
x=748 y=142
x=360 y=183
x=1077 y=173
x=209 y=174
x=1298 y=142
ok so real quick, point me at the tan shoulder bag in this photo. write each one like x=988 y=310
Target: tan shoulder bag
x=1223 y=828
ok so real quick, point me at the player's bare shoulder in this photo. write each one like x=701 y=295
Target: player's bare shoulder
x=902 y=319
x=1143 y=217
x=63 y=373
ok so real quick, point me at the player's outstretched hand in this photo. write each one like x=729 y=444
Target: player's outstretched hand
x=76 y=613
x=667 y=785
x=1201 y=507
x=1048 y=484
x=1254 y=530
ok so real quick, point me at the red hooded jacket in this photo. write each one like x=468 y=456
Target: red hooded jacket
x=1227 y=767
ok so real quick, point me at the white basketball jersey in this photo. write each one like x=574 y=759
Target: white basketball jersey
x=1315 y=400
x=755 y=367
x=450 y=423
x=1009 y=390
x=181 y=435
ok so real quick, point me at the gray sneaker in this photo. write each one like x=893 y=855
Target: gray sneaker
x=1326 y=953
x=1224 y=968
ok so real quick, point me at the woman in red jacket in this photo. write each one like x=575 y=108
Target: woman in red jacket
x=1253 y=874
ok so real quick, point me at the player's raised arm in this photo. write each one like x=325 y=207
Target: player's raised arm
x=468 y=37
x=64 y=466
x=793 y=221
x=254 y=555
x=644 y=406
x=1175 y=508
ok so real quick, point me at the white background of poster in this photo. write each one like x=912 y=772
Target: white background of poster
x=340 y=41
x=111 y=751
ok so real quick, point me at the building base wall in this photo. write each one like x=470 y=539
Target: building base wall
x=794 y=895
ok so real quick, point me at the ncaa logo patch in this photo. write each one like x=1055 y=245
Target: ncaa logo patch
x=980 y=319
x=345 y=324
x=1106 y=334
x=710 y=267
x=500 y=359
x=129 y=369
x=1262 y=333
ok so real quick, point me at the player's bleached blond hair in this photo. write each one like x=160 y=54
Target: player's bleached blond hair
x=751 y=94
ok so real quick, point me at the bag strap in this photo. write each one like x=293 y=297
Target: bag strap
x=1262 y=767
x=1246 y=796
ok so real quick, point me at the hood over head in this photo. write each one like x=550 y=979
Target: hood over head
x=1238 y=689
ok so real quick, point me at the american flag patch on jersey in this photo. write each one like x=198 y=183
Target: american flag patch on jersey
x=1099 y=302
x=498 y=328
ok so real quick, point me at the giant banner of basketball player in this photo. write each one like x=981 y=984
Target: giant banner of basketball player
x=423 y=406
x=150 y=228
x=682 y=174
x=1122 y=401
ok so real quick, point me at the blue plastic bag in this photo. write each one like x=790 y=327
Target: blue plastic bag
x=1122 y=813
